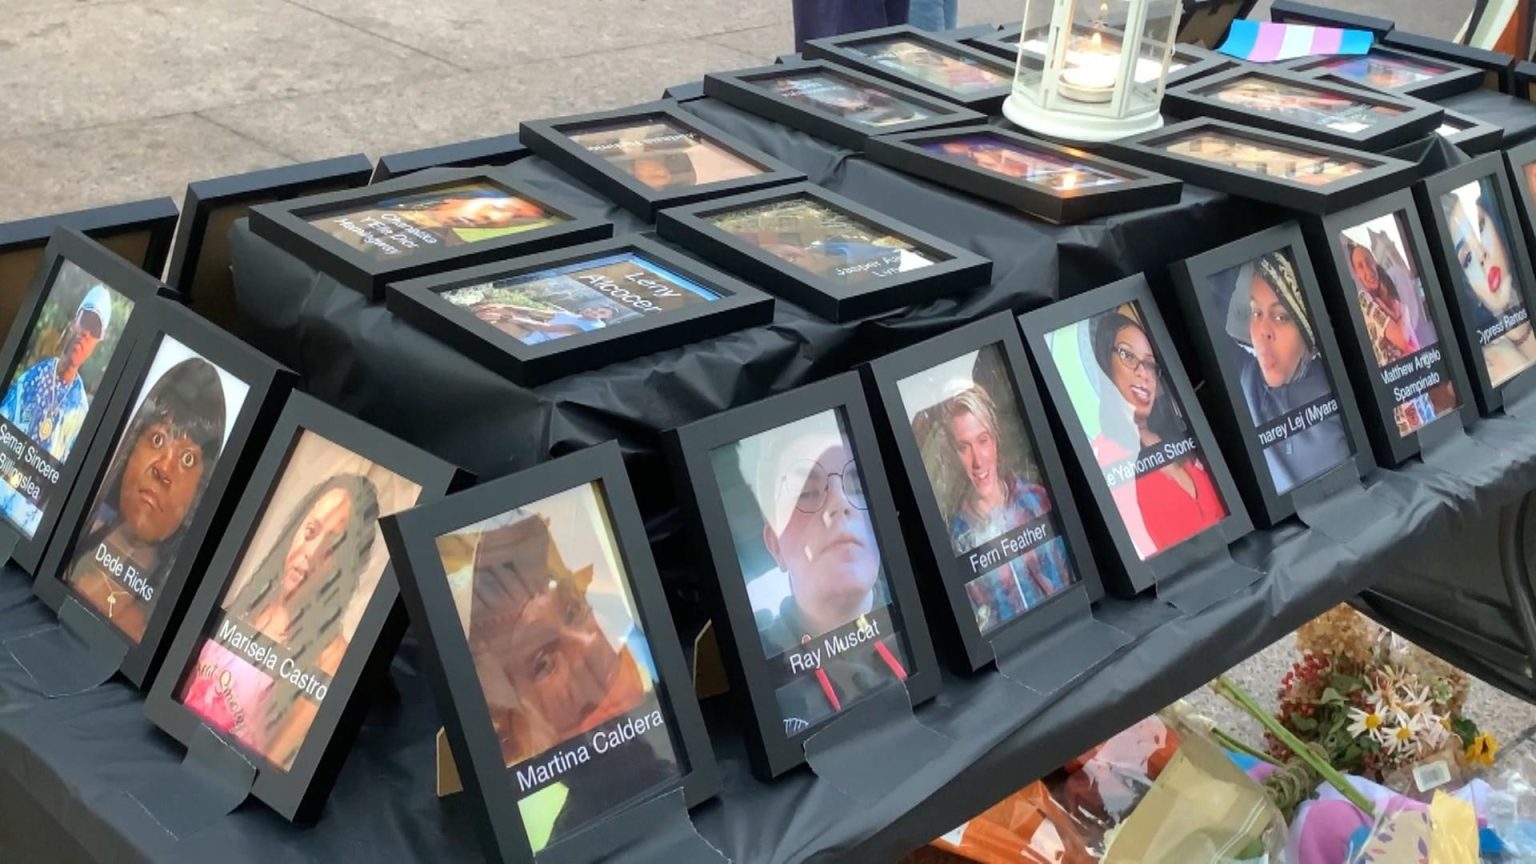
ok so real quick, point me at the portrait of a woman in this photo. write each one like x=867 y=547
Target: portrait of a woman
x=1391 y=314
x=1488 y=283
x=1161 y=506
x=996 y=499
x=156 y=479
x=1282 y=370
x=295 y=597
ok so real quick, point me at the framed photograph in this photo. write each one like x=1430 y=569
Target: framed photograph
x=817 y=607
x=922 y=61
x=138 y=232
x=556 y=667
x=409 y=227
x=542 y=317
x=1059 y=184
x=1185 y=64
x=1307 y=107
x=823 y=252
x=653 y=156
x=1477 y=245
x=1521 y=163
x=64 y=356
x=1497 y=67
x=199 y=268
x=961 y=417
x=1471 y=135
x=1296 y=12
x=1276 y=388
x=297 y=612
x=134 y=534
x=1148 y=456
x=1395 y=71
x=1375 y=272
x=829 y=101
x=497 y=150
x=1285 y=170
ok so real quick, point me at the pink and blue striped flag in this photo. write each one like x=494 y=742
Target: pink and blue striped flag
x=1267 y=42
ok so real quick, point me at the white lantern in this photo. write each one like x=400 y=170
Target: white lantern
x=1092 y=70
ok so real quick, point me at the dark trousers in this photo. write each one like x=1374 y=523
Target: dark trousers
x=817 y=18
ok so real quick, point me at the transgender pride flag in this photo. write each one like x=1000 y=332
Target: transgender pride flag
x=1266 y=41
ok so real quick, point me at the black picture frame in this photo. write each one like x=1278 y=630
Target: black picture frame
x=843 y=50
x=1472 y=135
x=943 y=584
x=1516 y=160
x=1467 y=315
x=738 y=89
x=68 y=245
x=1456 y=79
x=1373 y=393
x=1414 y=119
x=299 y=793
x=1381 y=174
x=1498 y=67
x=268 y=384
x=551 y=140
x=139 y=232
x=420 y=302
x=1226 y=403
x=200 y=257
x=1297 y=12
x=285 y=224
x=772 y=750
x=450 y=668
x=1128 y=574
x=690 y=227
x=1196 y=62
x=1138 y=188
x=495 y=150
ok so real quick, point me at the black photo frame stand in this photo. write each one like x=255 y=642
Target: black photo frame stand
x=1047 y=647
x=1336 y=502
x=1442 y=439
x=1199 y=571
x=874 y=744
x=109 y=651
x=657 y=818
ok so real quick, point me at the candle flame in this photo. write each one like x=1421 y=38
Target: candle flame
x=1096 y=41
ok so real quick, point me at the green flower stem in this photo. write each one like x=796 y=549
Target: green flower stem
x=1237 y=746
x=1238 y=696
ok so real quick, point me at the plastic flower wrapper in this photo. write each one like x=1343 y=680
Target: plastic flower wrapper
x=1509 y=806
x=1445 y=833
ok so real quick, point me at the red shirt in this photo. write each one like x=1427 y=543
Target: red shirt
x=1157 y=511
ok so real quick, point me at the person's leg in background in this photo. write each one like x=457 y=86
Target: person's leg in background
x=817 y=18
x=933 y=15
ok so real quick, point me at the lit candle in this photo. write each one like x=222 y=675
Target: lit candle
x=1091 y=72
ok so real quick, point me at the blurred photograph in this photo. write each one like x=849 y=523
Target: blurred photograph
x=52 y=387
x=1236 y=152
x=162 y=460
x=1019 y=162
x=851 y=100
x=1301 y=104
x=1272 y=338
x=445 y=217
x=562 y=658
x=1490 y=287
x=1390 y=292
x=794 y=498
x=1386 y=73
x=951 y=71
x=285 y=623
x=980 y=460
x=825 y=242
x=1156 y=472
x=588 y=296
x=663 y=155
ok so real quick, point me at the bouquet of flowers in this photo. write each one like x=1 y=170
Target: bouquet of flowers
x=1379 y=706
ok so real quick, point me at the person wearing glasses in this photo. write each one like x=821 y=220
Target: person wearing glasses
x=1282 y=370
x=48 y=402
x=817 y=530
x=1162 y=506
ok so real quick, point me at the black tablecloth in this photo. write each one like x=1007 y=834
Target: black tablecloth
x=73 y=758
